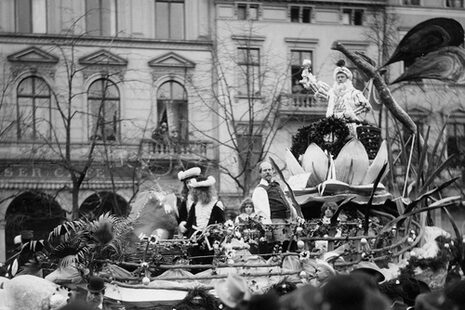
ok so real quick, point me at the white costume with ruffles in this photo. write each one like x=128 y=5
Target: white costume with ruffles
x=346 y=101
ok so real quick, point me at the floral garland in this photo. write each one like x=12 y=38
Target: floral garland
x=328 y=133
x=444 y=256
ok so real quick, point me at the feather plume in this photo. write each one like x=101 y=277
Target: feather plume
x=445 y=64
x=427 y=37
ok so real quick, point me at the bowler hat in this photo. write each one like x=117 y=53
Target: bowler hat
x=95 y=285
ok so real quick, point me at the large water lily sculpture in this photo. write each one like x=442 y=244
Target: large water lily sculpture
x=318 y=174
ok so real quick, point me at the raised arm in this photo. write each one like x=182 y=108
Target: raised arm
x=385 y=94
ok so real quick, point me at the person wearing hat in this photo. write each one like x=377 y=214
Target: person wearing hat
x=233 y=292
x=184 y=199
x=370 y=269
x=345 y=101
x=95 y=292
x=353 y=292
x=205 y=210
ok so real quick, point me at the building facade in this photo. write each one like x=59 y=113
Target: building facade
x=93 y=92
x=103 y=99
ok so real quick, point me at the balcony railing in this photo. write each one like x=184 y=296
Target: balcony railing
x=145 y=149
x=301 y=104
x=192 y=149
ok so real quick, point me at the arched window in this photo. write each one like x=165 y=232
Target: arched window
x=103 y=98
x=33 y=215
x=172 y=109
x=103 y=202
x=33 y=109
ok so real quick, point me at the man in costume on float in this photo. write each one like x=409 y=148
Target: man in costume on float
x=184 y=199
x=344 y=100
x=206 y=210
x=271 y=203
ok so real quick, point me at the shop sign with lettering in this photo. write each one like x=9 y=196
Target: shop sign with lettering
x=52 y=171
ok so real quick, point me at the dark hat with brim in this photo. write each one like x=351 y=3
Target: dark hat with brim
x=96 y=284
x=371 y=269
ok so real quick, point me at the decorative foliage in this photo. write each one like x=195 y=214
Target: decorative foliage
x=89 y=240
x=440 y=261
x=328 y=133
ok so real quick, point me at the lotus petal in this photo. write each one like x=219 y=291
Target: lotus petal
x=298 y=181
x=315 y=161
x=292 y=164
x=377 y=164
x=303 y=196
x=352 y=163
x=366 y=189
x=313 y=180
x=330 y=187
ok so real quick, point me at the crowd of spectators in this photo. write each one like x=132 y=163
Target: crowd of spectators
x=354 y=291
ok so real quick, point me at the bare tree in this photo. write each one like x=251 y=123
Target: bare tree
x=7 y=121
x=62 y=138
x=382 y=32
x=245 y=97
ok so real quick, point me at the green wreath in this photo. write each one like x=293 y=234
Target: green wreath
x=328 y=133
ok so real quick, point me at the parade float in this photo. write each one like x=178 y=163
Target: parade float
x=360 y=223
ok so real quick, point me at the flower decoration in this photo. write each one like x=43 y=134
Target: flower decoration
x=230 y=253
x=350 y=172
x=304 y=255
x=146 y=281
x=229 y=224
x=153 y=239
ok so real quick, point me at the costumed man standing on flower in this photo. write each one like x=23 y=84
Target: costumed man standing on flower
x=271 y=203
x=345 y=101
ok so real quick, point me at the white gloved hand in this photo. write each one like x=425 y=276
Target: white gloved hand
x=182 y=227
